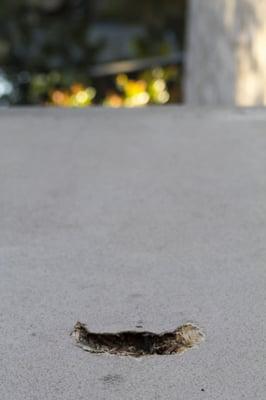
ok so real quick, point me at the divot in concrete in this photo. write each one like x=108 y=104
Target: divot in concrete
x=133 y=343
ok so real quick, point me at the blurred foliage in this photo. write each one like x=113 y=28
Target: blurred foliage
x=149 y=87
x=77 y=96
x=42 y=35
x=46 y=51
x=157 y=16
x=39 y=36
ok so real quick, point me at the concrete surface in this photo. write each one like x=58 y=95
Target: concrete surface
x=126 y=217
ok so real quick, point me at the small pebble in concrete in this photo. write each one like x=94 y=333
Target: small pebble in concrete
x=112 y=379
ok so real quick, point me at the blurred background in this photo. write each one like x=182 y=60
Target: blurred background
x=82 y=52
x=122 y=53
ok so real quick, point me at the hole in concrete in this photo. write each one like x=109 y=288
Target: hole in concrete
x=131 y=343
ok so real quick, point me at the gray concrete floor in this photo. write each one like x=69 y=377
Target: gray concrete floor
x=125 y=217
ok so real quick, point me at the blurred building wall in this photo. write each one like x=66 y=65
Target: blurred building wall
x=226 y=52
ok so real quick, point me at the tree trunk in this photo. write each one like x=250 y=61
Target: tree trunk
x=226 y=56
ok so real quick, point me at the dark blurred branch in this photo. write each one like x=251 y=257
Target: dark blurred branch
x=118 y=67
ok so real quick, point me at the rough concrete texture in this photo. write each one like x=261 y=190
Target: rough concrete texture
x=126 y=217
